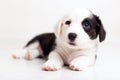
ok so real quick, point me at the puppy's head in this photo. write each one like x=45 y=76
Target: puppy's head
x=80 y=27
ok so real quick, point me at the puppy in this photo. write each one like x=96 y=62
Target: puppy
x=74 y=42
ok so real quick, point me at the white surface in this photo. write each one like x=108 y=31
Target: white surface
x=106 y=67
x=20 y=20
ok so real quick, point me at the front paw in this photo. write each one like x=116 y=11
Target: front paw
x=77 y=65
x=51 y=66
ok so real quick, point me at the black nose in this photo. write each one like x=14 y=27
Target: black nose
x=72 y=36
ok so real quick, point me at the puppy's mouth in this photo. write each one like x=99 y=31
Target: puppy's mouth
x=72 y=43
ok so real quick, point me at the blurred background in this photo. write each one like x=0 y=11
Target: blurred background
x=21 y=20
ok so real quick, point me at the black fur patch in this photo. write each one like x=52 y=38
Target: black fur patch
x=46 y=41
x=95 y=27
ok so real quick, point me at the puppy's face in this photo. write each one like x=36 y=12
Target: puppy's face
x=80 y=27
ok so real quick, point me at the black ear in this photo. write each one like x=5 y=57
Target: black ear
x=101 y=32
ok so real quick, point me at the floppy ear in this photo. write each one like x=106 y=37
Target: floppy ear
x=58 y=28
x=102 y=32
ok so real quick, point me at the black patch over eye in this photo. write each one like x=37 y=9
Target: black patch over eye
x=86 y=25
x=68 y=22
x=90 y=27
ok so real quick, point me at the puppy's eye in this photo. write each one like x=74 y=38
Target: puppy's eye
x=68 y=22
x=86 y=25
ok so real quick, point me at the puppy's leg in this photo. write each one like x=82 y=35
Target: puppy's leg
x=19 y=54
x=54 y=62
x=81 y=63
x=30 y=52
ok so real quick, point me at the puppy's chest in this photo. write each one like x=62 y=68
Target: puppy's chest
x=67 y=53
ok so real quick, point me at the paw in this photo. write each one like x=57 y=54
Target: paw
x=51 y=66
x=77 y=66
x=28 y=56
x=22 y=54
x=16 y=56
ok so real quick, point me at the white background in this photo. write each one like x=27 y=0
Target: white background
x=20 y=20
x=23 y=19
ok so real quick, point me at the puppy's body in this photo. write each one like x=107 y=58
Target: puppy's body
x=74 y=42
x=45 y=42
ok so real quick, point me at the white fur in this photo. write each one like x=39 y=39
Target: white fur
x=31 y=52
x=77 y=57
x=54 y=62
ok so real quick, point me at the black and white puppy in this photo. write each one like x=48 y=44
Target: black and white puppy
x=74 y=42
